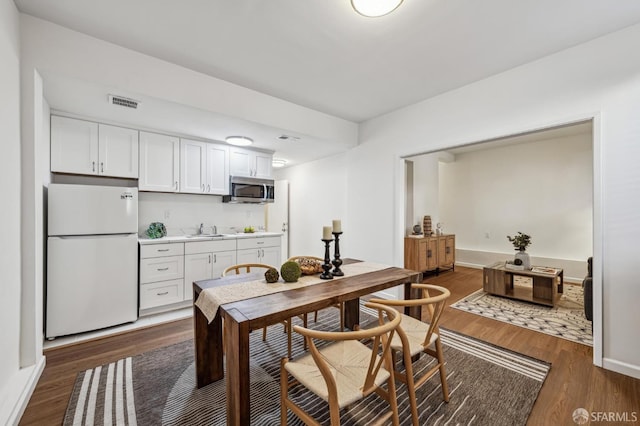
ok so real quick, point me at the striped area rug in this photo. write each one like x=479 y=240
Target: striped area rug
x=488 y=386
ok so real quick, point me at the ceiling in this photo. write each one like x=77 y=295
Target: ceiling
x=322 y=55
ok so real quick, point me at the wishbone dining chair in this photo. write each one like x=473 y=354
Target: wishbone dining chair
x=415 y=337
x=243 y=268
x=345 y=370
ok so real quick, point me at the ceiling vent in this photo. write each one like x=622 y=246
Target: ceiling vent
x=122 y=101
x=288 y=138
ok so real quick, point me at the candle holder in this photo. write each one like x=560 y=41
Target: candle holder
x=337 y=262
x=326 y=275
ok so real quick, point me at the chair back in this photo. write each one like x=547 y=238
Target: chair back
x=244 y=268
x=382 y=335
x=435 y=306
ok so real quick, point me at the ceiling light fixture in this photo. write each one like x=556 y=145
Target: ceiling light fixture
x=239 y=140
x=375 y=8
x=278 y=163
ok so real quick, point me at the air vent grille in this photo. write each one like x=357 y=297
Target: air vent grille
x=125 y=102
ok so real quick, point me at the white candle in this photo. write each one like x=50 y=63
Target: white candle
x=337 y=225
x=326 y=232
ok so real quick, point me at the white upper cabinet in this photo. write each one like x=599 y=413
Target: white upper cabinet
x=117 y=151
x=204 y=168
x=244 y=162
x=74 y=146
x=217 y=169
x=159 y=162
x=85 y=147
x=192 y=166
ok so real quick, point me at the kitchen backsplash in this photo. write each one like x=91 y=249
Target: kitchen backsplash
x=183 y=213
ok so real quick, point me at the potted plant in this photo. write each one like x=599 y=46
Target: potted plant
x=520 y=242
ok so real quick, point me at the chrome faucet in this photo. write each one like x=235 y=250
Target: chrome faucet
x=202 y=228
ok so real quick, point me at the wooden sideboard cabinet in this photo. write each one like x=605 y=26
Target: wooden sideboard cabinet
x=434 y=253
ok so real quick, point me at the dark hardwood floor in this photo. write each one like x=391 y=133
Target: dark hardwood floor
x=573 y=381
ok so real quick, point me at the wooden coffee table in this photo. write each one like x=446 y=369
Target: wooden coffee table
x=545 y=289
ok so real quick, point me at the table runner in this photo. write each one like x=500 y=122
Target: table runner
x=210 y=299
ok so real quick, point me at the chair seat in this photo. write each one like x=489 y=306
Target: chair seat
x=416 y=331
x=348 y=361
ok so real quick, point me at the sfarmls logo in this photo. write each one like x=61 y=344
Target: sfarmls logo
x=582 y=416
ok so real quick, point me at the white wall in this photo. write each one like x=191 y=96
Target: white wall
x=598 y=79
x=18 y=369
x=67 y=54
x=542 y=188
x=187 y=211
x=426 y=189
x=317 y=194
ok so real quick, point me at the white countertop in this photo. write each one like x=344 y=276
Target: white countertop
x=186 y=239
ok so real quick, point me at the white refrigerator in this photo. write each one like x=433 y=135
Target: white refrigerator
x=92 y=258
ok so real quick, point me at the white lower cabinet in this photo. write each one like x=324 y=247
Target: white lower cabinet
x=204 y=260
x=168 y=270
x=161 y=275
x=260 y=250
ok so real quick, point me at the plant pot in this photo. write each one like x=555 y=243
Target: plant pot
x=524 y=258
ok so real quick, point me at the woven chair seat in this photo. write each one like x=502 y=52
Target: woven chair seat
x=348 y=361
x=416 y=331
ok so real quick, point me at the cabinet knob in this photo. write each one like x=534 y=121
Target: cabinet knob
x=93 y=166
x=101 y=167
x=176 y=185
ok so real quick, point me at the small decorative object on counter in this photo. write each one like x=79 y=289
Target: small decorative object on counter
x=439 y=230
x=521 y=242
x=272 y=275
x=249 y=230
x=290 y=271
x=417 y=230
x=156 y=230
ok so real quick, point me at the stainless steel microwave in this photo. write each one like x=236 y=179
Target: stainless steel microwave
x=249 y=190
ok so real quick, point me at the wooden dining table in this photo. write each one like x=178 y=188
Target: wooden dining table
x=241 y=317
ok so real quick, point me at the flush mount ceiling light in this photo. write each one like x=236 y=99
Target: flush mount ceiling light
x=239 y=140
x=375 y=8
x=278 y=162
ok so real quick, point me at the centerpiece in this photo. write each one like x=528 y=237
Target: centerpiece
x=520 y=242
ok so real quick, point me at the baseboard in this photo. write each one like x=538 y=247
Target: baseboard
x=621 y=367
x=25 y=379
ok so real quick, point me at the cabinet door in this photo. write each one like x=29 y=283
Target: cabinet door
x=422 y=255
x=240 y=162
x=159 y=162
x=117 y=151
x=249 y=256
x=450 y=250
x=432 y=253
x=270 y=256
x=217 y=169
x=74 y=146
x=222 y=260
x=263 y=165
x=196 y=267
x=192 y=166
